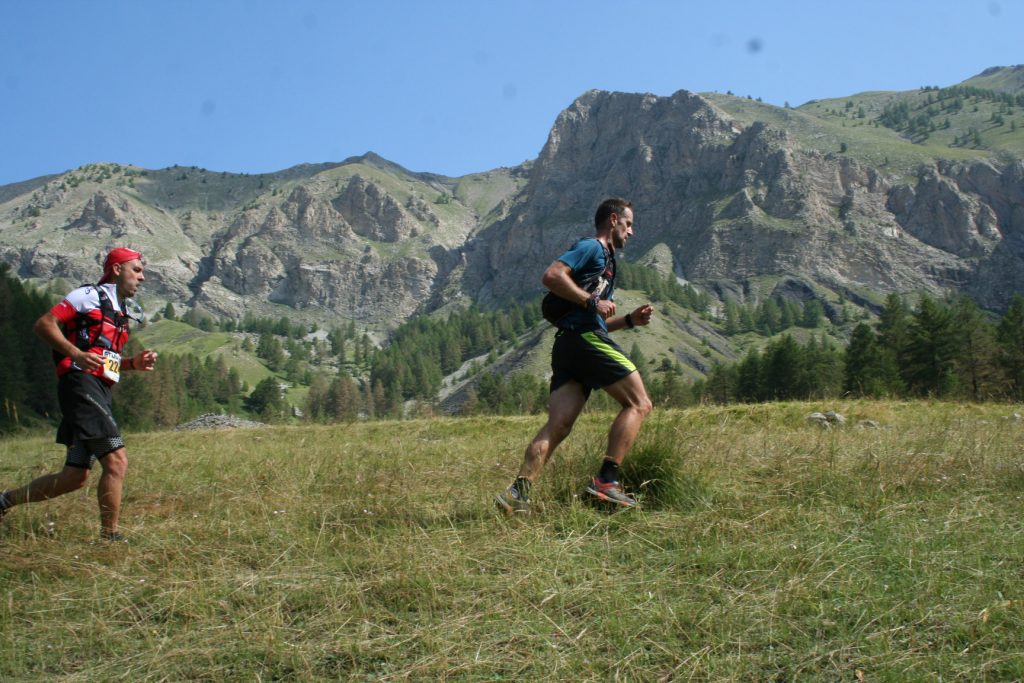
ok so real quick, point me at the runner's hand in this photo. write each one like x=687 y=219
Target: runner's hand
x=144 y=360
x=606 y=308
x=87 y=361
x=642 y=315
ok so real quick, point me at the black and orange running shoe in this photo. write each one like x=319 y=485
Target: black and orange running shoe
x=609 y=492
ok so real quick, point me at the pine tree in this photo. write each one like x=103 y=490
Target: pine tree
x=749 y=380
x=931 y=350
x=781 y=369
x=769 y=318
x=343 y=399
x=789 y=314
x=975 y=347
x=720 y=385
x=1010 y=339
x=380 y=400
x=820 y=373
x=732 y=318
x=812 y=314
x=747 y=322
x=894 y=332
x=864 y=371
x=270 y=350
x=266 y=400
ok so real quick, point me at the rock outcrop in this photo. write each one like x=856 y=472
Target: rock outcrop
x=734 y=202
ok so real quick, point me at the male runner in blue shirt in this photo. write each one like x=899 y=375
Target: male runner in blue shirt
x=583 y=358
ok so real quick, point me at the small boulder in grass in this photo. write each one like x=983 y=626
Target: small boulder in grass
x=215 y=421
x=827 y=420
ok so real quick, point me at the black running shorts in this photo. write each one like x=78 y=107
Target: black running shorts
x=590 y=358
x=88 y=428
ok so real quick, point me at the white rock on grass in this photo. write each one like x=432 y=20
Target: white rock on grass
x=215 y=421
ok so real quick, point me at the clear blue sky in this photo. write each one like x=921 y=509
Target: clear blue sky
x=448 y=86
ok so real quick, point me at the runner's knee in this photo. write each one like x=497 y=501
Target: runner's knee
x=558 y=427
x=72 y=478
x=645 y=406
x=115 y=462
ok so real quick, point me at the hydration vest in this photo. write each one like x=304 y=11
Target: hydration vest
x=554 y=307
x=98 y=330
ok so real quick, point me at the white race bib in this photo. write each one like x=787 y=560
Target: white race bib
x=112 y=366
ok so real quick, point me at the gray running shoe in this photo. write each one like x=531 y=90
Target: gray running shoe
x=113 y=537
x=609 y=492
x=512 y=502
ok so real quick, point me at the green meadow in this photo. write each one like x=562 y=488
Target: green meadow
x=767 y=549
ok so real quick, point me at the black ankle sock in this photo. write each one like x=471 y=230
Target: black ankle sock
x=609 y=471
x=522 y=485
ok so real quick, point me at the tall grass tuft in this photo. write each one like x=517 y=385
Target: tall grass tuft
x=660 y=472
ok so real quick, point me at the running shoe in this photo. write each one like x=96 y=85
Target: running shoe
x=113 y=537
x=512 y=502
x=610 y=492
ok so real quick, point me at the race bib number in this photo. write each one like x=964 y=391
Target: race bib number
x=112 y=366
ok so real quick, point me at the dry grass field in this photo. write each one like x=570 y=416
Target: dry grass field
x=767 y=549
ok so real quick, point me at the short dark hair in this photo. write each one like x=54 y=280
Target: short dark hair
x=608 y=207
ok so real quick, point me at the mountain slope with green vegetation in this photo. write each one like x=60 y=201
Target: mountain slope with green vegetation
x=1008 y=79
x=898 y=131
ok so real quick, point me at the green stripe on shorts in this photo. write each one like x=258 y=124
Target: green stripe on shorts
x=607 y=350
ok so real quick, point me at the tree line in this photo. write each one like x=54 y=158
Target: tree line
x=939 y=349
x=25 y=398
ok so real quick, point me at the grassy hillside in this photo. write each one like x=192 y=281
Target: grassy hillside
x=172 y=336
x=767 y=549
x=1001 y=78
x=978 y=118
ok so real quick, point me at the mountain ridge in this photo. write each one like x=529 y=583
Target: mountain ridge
x=841 y=195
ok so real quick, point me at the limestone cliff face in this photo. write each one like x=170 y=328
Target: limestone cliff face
x=375 y=214
x=734 y=202
x=315 y=218
x=941 y=212
x=315 y=252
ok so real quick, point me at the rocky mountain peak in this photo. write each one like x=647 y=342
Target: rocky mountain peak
x=735 y=201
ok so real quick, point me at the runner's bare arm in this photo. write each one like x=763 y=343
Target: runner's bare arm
x=47 y=328
x=558 y=279
x=640 y=316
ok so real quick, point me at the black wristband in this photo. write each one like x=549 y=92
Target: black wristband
x=629 y=321
x=592 y=304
